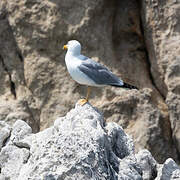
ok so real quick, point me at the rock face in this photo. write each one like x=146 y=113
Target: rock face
x=137 y=40
x=79 y=146
x=162 y=35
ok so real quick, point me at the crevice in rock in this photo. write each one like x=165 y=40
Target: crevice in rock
x=26 y=160
x=147 y=54
x=24 y=147
x=6 y=140
x=20 y=56
x=3 y=13
x=21 y=147
x=13 y=87
x=149 y=67
x=12 y=84
x=37 y=122
x=173 y=144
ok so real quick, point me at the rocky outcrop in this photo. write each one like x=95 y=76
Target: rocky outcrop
x=169 y=170
x=79 y=145
x=145 y=122
x=137 y=40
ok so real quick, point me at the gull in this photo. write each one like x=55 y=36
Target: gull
x=87 y=72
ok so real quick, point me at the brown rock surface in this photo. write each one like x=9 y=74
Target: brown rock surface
x=161 y=22
x=33 y=75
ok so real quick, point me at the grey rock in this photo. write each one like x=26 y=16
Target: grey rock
x=147 y=163
x=12 y=159
x=78 y=146
x=129 y=168
x=20 y=130
x=13 y=154
x=5 y=130
x=2 y=177
x=4 y=134
x=121 y=143
x=168 y=171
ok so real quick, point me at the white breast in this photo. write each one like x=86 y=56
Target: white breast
x=72 y=64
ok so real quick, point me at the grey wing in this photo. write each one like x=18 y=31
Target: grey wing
x=99 y=74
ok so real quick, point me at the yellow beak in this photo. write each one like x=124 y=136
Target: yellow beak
x=65 y=47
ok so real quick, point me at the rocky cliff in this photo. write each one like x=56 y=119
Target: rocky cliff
x=80 y=145
x=137 y=39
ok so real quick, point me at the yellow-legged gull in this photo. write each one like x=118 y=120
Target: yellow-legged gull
x=87 y=72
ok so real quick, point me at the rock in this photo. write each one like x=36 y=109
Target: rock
x=2 y=177
x=10 y=112
x=147 y=163
x=129 y=169
x=5 y=109
x=160 y=20
x=137 y=41
x=13 y=154
x=173 y=99
x=4 y=133
x=19 y=132
x=78 y=146
x=117 y=137
x=12 y=159
x=143 y=121
x=168 y=171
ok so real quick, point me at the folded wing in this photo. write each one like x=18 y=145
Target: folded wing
x=99 y=74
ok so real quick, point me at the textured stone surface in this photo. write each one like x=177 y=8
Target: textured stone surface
x=161 y=22
x=140 y=118
x=11 y=111
x=168 y=171
x=147 y=164
x=13 y=154
x=80 y=145
x=4 y=133
x=137 y=40
x=12 y=159
x=19 y=132
x=117 y=138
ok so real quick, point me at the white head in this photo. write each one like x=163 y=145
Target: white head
x=73 y=47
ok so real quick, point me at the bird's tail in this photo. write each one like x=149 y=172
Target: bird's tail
x=129 y=86
x=125 y=85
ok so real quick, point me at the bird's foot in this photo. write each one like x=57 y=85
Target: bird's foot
x=82 y=101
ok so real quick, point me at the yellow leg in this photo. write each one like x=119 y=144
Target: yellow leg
x=88 y=92
x=84 y=101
